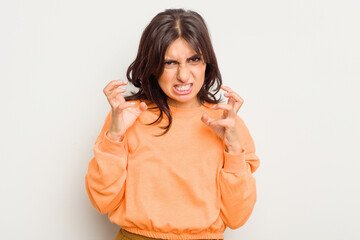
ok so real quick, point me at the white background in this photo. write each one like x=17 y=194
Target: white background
x=295 y=63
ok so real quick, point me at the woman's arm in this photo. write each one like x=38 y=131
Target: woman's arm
x=237 y=184
x=107 y=173
x=107 y=170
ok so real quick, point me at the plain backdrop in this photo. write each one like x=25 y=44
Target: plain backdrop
x=295 y=63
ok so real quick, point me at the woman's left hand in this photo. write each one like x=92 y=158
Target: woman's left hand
x=226 y=126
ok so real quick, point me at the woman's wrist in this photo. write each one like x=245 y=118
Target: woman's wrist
x=115 y=137
x=234 y=149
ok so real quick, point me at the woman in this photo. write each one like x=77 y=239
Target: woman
x=171 y=161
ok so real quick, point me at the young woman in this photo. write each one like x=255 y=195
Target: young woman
x=172 y=161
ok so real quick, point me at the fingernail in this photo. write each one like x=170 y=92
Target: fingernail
x=119 y=81
x=123 y=87
x=226 y=93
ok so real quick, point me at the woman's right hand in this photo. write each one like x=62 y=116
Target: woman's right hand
x=124 y=113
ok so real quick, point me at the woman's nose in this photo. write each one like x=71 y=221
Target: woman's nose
x=183 y=73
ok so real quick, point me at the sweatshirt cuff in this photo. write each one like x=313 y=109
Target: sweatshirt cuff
x=235 y=162
x=111 y=146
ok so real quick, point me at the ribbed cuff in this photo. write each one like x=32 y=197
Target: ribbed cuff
x=111 y=146
x=235 y=162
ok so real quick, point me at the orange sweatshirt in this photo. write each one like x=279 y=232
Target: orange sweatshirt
x=182 y=185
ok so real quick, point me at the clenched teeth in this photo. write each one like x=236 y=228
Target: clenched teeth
x=183 y=87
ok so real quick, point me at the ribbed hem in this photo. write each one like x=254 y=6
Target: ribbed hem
x=235 y=162
x=203 y=235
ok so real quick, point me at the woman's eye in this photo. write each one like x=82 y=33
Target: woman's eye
x=195 y=59
x=170 y=63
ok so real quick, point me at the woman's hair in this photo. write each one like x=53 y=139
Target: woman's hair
x=148 y=65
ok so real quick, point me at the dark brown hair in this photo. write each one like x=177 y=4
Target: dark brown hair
x=148 y=65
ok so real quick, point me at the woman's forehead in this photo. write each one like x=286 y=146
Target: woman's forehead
x=179 y=49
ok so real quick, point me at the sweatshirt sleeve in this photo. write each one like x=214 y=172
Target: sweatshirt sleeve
x=237 y=184
x=105 y=179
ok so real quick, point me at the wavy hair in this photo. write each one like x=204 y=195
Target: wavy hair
x=148 y=65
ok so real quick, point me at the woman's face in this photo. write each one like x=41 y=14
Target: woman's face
x=183 y=75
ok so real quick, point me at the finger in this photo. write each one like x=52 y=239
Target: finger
x=137 y=109
x=234 y=95
x=142 y=107
x=116 y=91
x=228 y=109
x=115 y=98
x=227 y=89
x=230 y=92
x=235 y=100
x=125 y=105
x=113 y=84
x=117 y=87
x=230 y=100
x=222 y=122
x=206 y=119
x=223 y=106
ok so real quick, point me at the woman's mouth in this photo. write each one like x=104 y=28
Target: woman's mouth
x=183 y=89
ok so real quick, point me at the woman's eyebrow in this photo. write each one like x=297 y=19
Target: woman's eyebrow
x=192 y=57
x=170 y=60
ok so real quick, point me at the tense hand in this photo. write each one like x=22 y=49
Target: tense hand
x=226 y=126
x=124 y=113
